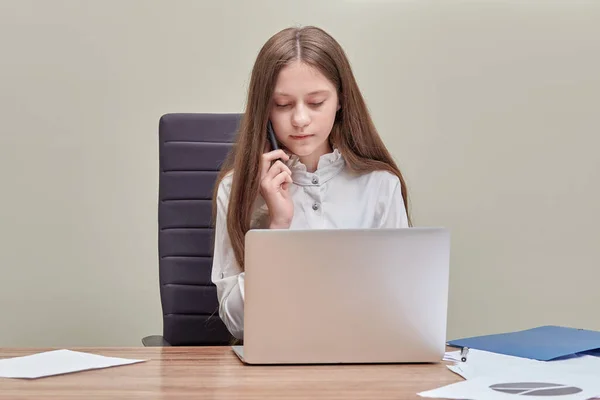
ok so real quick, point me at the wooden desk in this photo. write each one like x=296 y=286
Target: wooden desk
x=216 y=373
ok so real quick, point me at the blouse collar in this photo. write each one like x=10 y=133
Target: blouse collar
x=329 y=165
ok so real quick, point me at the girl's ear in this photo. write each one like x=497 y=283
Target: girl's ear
x=339 y=106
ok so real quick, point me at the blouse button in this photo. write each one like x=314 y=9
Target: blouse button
x=315 y=180
x=315 y=207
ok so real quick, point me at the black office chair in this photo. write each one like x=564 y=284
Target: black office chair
x=192 y=149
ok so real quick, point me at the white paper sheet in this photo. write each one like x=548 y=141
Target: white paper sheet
x=530 y=384
x=56 y=362
x=482 y=363
x=452 y=356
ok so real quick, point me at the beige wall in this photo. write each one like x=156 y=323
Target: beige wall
x=491 y=109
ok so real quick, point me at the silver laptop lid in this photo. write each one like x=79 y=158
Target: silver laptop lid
x=346 y=296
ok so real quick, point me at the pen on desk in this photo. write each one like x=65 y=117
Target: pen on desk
x=463 y=354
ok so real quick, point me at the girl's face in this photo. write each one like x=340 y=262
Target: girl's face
x=303 y=111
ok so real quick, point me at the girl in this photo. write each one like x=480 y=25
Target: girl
x=332 y=171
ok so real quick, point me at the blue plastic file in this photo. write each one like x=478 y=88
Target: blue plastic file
x=544 y=343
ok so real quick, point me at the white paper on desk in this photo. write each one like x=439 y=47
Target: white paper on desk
x=529 y=384
x=482 y=363
x=452 y=356
x=56 y=362
x=579 y=364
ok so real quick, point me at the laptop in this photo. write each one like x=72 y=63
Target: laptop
x=345 y=296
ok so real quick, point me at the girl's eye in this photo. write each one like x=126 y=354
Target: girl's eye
x=311 y=104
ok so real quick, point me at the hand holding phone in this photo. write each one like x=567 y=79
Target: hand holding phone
x=275 y=180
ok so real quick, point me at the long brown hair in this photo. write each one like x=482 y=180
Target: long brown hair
x=353 y=132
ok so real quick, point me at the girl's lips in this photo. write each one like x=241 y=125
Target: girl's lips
x=300 y=137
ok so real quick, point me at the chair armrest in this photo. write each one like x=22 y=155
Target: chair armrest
x=155 y=341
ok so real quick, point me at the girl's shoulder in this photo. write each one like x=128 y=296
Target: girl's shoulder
x=224 y=186
x=379 y=178
x=260 y=211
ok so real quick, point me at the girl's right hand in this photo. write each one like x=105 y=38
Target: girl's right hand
x=275 y=183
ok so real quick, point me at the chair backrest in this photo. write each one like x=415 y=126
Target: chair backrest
x=191 y=151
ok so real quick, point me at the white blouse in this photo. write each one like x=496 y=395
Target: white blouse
x=331 y=197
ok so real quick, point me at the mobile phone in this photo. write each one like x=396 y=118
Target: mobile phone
x=271 y=135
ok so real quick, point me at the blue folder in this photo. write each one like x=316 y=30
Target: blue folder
x=543 y=343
